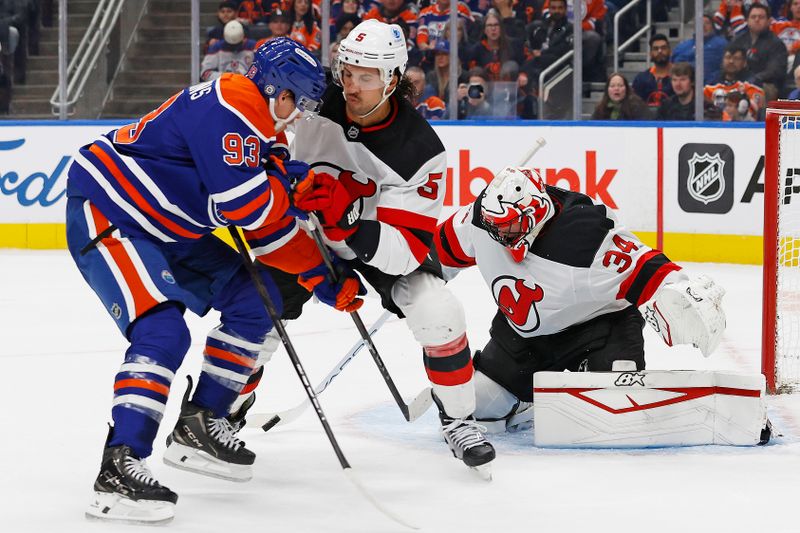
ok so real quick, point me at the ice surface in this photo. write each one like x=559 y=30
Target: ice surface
x=60 y=351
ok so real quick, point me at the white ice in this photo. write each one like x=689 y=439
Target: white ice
x=60 y=351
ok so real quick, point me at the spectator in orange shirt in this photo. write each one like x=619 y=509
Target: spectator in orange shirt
x=788 y=30
x=305 y=29
x=279 y=25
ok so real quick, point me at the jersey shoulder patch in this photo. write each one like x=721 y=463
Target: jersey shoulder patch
x=575 y=234
x=241 y=97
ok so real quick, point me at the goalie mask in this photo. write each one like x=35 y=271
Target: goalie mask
x=514 y=208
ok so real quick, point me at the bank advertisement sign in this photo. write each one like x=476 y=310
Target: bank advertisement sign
x=711 y=179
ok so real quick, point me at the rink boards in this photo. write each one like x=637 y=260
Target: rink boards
x=694 y=191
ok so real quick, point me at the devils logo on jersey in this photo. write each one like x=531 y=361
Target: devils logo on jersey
x=356 y=188
x=518 y=301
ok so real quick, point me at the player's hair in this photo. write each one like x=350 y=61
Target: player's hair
x=682 y=69
x=405 y=89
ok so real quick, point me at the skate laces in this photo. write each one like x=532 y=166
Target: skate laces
x=224 y=433
x=465 y=434
x=139 y=471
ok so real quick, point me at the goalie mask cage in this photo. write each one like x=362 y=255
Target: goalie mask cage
x=780 y=350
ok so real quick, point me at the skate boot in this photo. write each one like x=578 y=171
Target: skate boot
x=237 y=419
x=207 y=445
x=125 y=491
x=465 y=438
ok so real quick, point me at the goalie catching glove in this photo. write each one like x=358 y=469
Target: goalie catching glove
x=688 y=312
x=342 y=293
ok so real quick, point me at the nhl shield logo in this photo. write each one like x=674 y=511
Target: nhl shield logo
x=706 y=181
x=353 y=132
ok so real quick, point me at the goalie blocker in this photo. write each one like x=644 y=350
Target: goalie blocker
x=648 y=409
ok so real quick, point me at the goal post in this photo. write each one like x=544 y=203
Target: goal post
x=780 y=348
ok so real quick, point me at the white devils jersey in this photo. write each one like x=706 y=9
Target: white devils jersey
x=397 y=167
x=581 y=265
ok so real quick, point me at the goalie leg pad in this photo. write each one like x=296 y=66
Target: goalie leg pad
x=648 y=409
x=497 y=409
x=688 y=312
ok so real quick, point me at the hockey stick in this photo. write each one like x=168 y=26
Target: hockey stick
x=540 y=142
x=267 y=421
x=301 y=373
x=424 y=399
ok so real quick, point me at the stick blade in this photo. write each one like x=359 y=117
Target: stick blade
x=420 y=404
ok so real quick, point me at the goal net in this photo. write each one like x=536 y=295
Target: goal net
x=781 y=307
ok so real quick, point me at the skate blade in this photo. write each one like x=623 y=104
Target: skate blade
x=483 y=472
x=117 y=509
x=197 y=461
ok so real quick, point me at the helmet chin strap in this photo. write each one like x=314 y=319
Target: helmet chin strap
x=385 y=97
x=281 y=123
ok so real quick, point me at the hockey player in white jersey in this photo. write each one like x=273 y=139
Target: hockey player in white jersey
x=378 y=190
x=572 y=286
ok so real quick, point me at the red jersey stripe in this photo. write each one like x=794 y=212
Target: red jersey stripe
x=142 y=299
x=449 y=379
x=408 y=219
x=625 y=286
x=231 y=357
x=142 y=384
x=655 y=282
x=137 y=197
x=418 y=248
x=455 y=245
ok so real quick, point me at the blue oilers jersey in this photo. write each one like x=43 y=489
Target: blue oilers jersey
x=191 y=165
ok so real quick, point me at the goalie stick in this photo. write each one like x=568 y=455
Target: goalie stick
x=267 y=421
x=424 y=399
x=301 y=373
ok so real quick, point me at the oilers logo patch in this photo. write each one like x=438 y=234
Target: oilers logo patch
x=167 y=276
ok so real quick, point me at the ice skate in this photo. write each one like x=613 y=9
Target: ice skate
x=125 y=491
x=237 y=419
x=465 y=438
x=207 y=445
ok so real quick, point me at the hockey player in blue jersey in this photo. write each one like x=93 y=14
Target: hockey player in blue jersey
x=142 y=203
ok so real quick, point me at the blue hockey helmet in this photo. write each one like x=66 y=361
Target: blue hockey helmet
x=281 y=64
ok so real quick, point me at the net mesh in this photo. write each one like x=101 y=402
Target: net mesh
x=787 y=347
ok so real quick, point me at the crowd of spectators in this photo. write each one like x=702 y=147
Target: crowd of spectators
x=750 y=52
x=19 y=37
